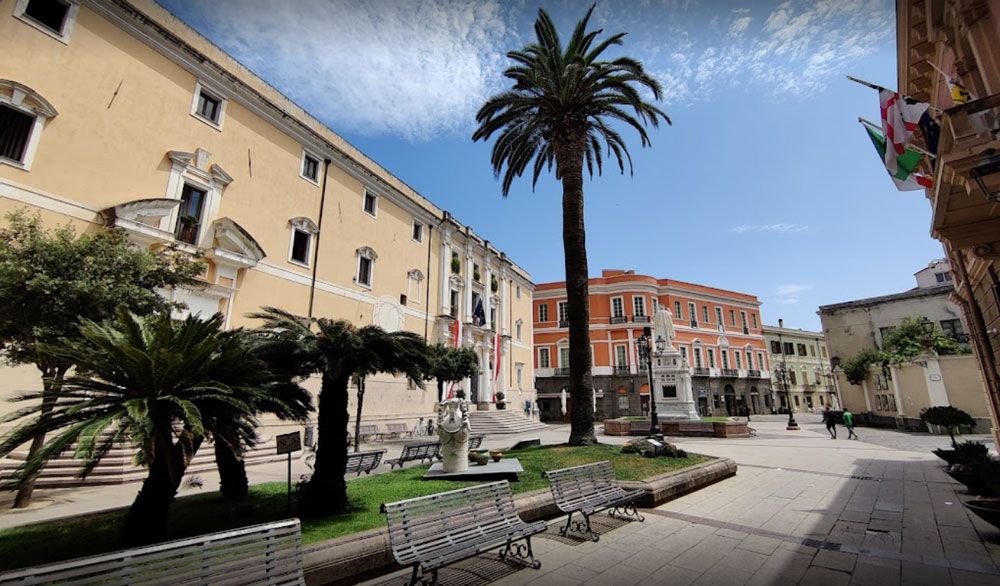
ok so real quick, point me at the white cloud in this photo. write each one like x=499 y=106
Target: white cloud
x=792 y=289
x=416 y=69
x=781 y=228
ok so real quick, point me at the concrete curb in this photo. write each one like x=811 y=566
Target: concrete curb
x=360 y=556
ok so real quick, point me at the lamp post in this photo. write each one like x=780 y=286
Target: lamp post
x=783 y=371
x=646 y=352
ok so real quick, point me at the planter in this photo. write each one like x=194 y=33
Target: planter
x=949 y=456
x=973 y=481
x=622 y=427
x=987 y=509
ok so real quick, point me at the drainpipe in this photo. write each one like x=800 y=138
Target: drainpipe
x=319 y=232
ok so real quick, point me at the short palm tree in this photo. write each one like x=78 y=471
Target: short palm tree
x=336 y=350
x=151 y=381
x=560 y=111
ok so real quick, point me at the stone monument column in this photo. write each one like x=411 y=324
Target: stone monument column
x=671 y=375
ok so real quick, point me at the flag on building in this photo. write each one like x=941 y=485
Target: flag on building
x=479 y=314
x=498 y=344
x=456 y=340
x=958 y=91
x=931 y=131
x=900 y=118
x=904 y=176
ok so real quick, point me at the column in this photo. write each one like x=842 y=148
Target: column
x=468 y=283
x=445 y=271
x=633 y=357
x=894 y=373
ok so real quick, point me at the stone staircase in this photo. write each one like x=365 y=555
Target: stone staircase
x=117 y=467
x=502 y=422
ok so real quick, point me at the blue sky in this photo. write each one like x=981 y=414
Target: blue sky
x=765 y=182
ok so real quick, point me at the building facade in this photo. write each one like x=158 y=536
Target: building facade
x=115 y=113
x=807 y=377
x=959 y=37
x=896 y=394
x=718 y=333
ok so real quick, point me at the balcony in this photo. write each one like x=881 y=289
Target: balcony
x=619 y=319
x=700 y=371
x=730 y=373
x=694 y=323
x=640 y=319
x=563 y=323
x=753 y=374
x=809 y=388
x=622 y=369
x=564 y=371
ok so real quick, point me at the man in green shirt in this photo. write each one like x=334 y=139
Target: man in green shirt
x=848 y=419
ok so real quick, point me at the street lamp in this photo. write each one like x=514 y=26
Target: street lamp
x=646 y=352
x=783 y=371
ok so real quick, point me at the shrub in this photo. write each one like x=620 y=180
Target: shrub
x=971 y=452
x=856 y=367
x=948 y=417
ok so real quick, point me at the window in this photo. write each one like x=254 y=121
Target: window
x=812 y=350
x=208 y=106
x=789 y=349
x=718 y=316
x=669 y=391
x=517 y=329
x=822 y=350
x=564 y=357
x=704 y=312
x=52 y=17
x=519 y=374
x=418 y=231
x=621 y=356
x=944 y=277
x=476 y=274
x=732 y=317
x=805 y=376
x=711 y=358
x=775 y=347
x=371 y=203
x=677 y=310
x=693 y=314
x=517 y=292
x=791 y=377
x=760 y=361
x=366 y=264
x=884 y=332
x=639 y=306
x=453 y=302
x=952 y=327
x=189 y=214
x=743 y=321
x=561 y=307
x=543 y=312
x=310 y=167
x=617 y=307
x=802 y=349
x=623 y=403
x=796 y=400
x=301 y=243
x=749 y=360
x=684 y=356
x=655 y=304
x=725 y=358
x=543 y=358
x=739 y=360
x=697 y=357
x=753 y=320
x=15 y=133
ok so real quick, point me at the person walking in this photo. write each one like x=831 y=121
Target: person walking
x=848 y=418
x=831 y=422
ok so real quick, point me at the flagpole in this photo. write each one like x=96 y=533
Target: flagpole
x=867 y=122
x=879 y=88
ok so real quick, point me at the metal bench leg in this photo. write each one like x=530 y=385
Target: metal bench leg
x=413 y=577
x=626 y=511
x=520 y=553
x=579 y=527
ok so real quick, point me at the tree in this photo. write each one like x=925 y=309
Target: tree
x=560 y=111
x=947 y=417
x=915 y=336
x=153 y=381
x=336 y=350
x=450 y=365
x=51 y=279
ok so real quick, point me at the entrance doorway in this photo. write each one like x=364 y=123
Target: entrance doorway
x=703 y=406
x=730 y=397
x=754 y=400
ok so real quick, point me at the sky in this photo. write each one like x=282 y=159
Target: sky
x=764 y=183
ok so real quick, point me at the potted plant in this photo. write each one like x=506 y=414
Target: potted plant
x=500 y=400
x=475 y=273
x=494 y=284
x=187 y=228
x=949 y=418
x=456 y=265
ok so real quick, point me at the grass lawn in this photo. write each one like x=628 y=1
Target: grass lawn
x=193 y=515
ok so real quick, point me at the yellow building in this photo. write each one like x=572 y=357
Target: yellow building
x=116 y=113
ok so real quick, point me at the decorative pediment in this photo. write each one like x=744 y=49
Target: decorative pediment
x=415 y=274
x=219 y=176
x=25 y=97
x=723 y=342
x=144 y=211
x=180 y=158
x=456 y=282
x=367 y=252
x=304 y=224
x=234 y=243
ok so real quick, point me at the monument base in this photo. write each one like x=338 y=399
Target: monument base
x=505 y=469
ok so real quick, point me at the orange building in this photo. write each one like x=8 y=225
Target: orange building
x=718 y=332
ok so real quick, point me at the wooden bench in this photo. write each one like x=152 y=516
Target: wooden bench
x=368 y=432
x=364 y=461
x=433 y=531
x=398 y=430
x=589 y=489
x=416 y=452
x=261 y=554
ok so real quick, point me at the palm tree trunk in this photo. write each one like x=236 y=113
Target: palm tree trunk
x=569 y=160
x=357 y=418
x=326 y=492
x=233 y=482
x=52 y=380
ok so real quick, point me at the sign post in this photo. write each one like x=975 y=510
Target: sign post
x=288 y=443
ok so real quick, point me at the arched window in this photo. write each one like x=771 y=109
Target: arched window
x=23 y=114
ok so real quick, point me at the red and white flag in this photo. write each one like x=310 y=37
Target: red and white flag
x=900 y=118
x=456 y=337
x=496 y=361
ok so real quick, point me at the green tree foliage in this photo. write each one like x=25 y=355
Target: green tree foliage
x=450 y=365
x=856 y=367
x=337 y=351
x=50 y=279
x=909 y=339
x=157 y=383
x=947 y=417
x=564 y=108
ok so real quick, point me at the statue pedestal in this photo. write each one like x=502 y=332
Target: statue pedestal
x=672 y=387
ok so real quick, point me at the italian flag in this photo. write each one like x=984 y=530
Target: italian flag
x=904 y=175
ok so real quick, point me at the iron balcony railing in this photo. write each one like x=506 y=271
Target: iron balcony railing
x=563 y=323
x=753 y=374
x=619 y=319
x=640 y=319
x=563 y=371
x=622 y=369
x=701 y=371
x=730 y=372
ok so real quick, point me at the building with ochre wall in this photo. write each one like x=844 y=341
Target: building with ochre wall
x=807 y=377
x=116 y=113
x=718 y=334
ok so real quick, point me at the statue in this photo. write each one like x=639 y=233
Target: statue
x=664 y=326
x=453 y=433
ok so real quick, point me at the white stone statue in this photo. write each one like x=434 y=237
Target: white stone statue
x=453 y=433
x=664 y=326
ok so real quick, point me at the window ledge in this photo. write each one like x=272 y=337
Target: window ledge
x=13 y=163
x=61 y=37
x=297 y=263
x=206 y=122
x=312 y=181
x=362 y=285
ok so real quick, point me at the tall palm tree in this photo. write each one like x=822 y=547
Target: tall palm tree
x=151 y=381
x=336 y=350
x=560 y=111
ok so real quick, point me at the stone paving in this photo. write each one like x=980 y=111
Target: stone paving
x=803 y=509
